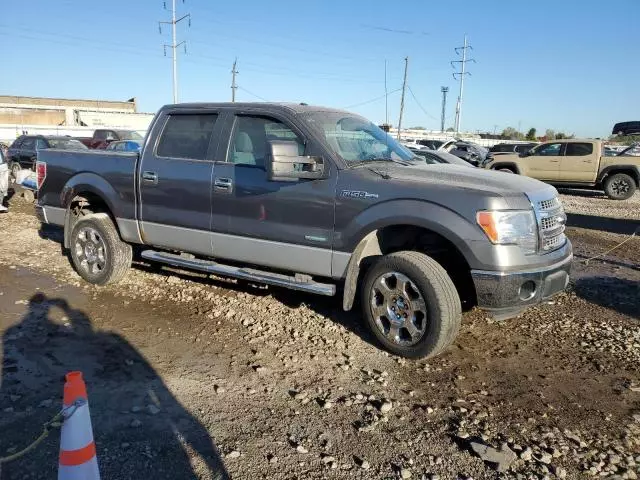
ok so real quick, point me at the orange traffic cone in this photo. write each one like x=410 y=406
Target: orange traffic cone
x=78 y=459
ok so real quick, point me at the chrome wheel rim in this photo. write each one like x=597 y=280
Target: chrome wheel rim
x=620 y=187
x=91 y=250
x=399 y=309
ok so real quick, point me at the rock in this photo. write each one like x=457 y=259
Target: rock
x=631 y=475
x=559 y=472
x=173 y=279
x=502 y=458
x=327 y=459
x=386 y=407
x=233 y=454
x=125 y=444
x=545 y=458
x=301 y=449
x=219 y=389
x=526 y=454
x=15 y=398
x=273 y=459
x=405 y=473
x=135 y=423
x=327 y=404
x=152 y=409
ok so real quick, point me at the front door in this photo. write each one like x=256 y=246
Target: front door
x=544 y=162
x=281 y=224
x=175 y=182
x=579 y=163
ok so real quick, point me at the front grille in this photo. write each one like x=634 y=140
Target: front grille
x=551 y=221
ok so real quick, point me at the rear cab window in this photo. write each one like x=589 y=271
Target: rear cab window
x=578 y=149
x=186 y=136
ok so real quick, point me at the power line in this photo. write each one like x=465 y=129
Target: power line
x=461 y=74
x=174 y=45
x=371 y=100
x=252 y=94
x=419 y=105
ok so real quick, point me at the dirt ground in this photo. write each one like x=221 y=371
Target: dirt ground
x=191 y=376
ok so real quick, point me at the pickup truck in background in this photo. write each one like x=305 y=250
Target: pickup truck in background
x=575 y=163
x=317 y=200
x=103 y=137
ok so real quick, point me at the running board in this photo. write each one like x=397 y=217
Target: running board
x=304 y=283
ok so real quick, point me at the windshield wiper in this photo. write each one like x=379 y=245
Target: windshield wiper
x=380 y=160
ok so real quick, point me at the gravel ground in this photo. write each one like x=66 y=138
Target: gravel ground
x=596 y=203
x=191 y=376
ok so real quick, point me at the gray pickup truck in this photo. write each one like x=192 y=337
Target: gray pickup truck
x=318 y=200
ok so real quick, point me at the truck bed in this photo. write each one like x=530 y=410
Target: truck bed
x=72 y=172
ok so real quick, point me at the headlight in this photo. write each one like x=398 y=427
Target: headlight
x=510 y=227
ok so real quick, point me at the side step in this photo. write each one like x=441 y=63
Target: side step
x=304 y=283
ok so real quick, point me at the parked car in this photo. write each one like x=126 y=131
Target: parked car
x=470 y=152
x=504 y=148
x=125 y=146
x=626 y=128
x=431 y=144
x=312 y=199
x=435 y=157
x=23 y=151
x=576 y=163
x=103 y=137
x=631 y=151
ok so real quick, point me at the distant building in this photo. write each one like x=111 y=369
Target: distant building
x=20 y=114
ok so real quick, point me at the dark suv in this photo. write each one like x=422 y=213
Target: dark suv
x=626 y=128
x=23 y=151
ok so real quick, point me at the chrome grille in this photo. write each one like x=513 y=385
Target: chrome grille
x=551 y=222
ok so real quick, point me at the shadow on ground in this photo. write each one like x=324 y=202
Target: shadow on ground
x=617 y=294
x=141 y=430
x=625 y=226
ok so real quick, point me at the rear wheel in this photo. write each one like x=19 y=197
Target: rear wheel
x=619 y=186
x=411 y=305
x=98 y=254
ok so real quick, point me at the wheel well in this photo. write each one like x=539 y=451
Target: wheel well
x=84 y=203
x=629 y=171
x=505 y=166
x=395 y=238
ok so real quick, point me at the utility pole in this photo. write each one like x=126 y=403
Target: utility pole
x=234 y=87
x=461 y=74
x=404 y=87
x=444 y=91
x=174 y=45
x=386 y=95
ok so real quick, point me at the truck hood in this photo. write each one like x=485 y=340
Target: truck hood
x=491 y=182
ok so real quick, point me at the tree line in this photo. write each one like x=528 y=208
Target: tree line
x=511 y=133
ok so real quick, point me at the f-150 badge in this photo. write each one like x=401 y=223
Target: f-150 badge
x=357 y=194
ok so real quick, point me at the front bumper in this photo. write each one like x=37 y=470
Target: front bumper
x=506 y=294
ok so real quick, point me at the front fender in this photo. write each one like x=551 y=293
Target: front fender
x=458 y=230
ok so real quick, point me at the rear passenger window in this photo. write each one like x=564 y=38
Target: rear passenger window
x=578 y=149
x=186 y=136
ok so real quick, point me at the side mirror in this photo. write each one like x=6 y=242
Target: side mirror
x=284 y=163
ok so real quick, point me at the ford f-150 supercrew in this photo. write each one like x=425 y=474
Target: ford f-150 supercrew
x=318 y=200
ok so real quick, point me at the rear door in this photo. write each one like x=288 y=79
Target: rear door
x=175 y=181
x=282 y=224
x=28 y=152
x=579 y=163
x=544 y=162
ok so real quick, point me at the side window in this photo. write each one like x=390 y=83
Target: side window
x=100 y=135
x=522 y=148
x=186 y=136
x=550 y=150
x=578 y=149
x=251 y=137
x=28 y=144
x=17 y=143
x=41 y=144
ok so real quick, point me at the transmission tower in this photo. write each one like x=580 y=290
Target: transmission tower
x=460 y=76
x=174 y=45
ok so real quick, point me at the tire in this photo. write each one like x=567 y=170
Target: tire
x=15 y=168
x=97 y=252
x=423 y=281
x=505 y=170
x=619 y=186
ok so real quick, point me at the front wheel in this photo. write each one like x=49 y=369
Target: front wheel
x=411 y=305
x=98 y=254
x=619 y=186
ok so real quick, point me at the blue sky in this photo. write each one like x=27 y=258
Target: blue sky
x=565 y=65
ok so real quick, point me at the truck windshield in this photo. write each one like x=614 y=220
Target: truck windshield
x=129 y=135
x=355 y=139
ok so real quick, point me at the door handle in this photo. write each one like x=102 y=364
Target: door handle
x=223 y=185
x=554 y=161
x=150 y=177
